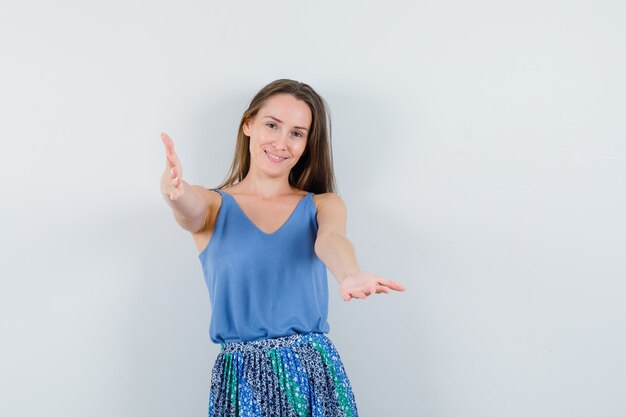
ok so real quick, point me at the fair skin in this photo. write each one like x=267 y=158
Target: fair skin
x=278 y=136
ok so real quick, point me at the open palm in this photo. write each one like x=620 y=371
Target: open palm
x=362 y=284
x=172 y=179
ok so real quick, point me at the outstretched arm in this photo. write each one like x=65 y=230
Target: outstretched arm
x=188 y=205
x=337 y=253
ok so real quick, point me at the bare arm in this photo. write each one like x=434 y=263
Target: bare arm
x=331 y=245
x=190 y=210
x=337 y=253
x=187 y=202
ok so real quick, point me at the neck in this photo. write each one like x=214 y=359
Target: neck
x=266 y=187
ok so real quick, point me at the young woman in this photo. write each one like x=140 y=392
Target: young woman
x=266 y=236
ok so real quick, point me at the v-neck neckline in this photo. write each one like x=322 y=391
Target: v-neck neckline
x=282 y=226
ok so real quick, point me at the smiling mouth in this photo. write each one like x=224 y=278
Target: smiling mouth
x=273 y=157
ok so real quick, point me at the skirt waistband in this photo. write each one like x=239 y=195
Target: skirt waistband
x=273 y=343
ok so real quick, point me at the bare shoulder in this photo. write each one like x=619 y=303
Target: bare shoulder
x=331 y=213
x=328 y=200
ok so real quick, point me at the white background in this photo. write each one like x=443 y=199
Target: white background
x=479 y=146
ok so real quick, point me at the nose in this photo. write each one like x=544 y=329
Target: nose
x=280 y=141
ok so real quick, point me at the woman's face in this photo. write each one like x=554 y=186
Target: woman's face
x=278 y=134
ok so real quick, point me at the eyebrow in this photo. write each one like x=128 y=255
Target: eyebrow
x=280 y=121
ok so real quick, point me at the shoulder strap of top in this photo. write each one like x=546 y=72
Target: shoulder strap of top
x=221 y=193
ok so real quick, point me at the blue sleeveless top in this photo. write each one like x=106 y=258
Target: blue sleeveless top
x=264 y=285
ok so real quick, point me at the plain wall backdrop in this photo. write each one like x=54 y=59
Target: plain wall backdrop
x=479 y=146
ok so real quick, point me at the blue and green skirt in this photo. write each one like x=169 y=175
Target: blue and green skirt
x=298 y=375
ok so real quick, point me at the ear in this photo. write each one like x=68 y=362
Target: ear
x=246 y=126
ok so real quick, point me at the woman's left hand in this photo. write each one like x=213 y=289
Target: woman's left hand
x=361 y=284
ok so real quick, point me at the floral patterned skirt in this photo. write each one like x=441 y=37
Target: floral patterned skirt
x=298 y=375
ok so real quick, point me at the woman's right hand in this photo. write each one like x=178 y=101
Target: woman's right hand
x=172 y=179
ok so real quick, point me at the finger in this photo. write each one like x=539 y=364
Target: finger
x=396 y=286
x=391 y=284
x=170 y=153
x=172 y=159
x=176 y=164
x=381 y=288
x=176 y=175
x=167 y=141
x=175 y=168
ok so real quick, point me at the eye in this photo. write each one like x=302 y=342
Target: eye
x=270 y=125
x=298 y=134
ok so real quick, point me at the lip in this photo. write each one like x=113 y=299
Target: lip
x=282 y=158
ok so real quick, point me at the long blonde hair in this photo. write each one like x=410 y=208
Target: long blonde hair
x=314 y=170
